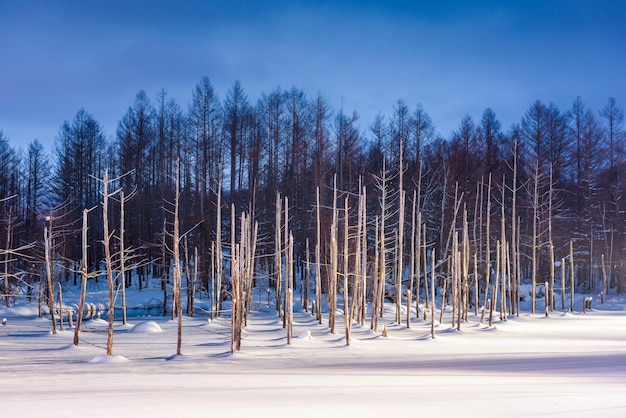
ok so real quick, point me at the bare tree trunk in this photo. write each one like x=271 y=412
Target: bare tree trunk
x=466 y=262
x=48 y=259
x=278 y=255
x=571 y=272
x=7 y=260
x=194 y=283
x=289 y=292
x=552 y=274
x=363 y=256
x=177 y=267
x=496 y=285
x=514 y=235
x=60 y=307
x=307 y=275
x=503 y=256
x=534 y=244
x=604 y=281
x=487 y=251
x=123 y=257
x=166 y=266
x=409 y=293
x=219 y=266
x=346 y=297
x=381 y=242
x=40 y=299
x=286 y=258
x=476 y=296
x=563 y=283
x=108 y=259
x=318 y=264
x=213 y=278
x=234 y=268
x=400 y=255
x=332 y=288
x=425 y=258
x=418 y=264
x=432 y=299
x=376 y=291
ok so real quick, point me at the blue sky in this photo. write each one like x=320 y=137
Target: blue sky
x=453 y=57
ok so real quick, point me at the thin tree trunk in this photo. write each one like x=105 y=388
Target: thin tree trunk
x=346 y=299
x=487 y=251
x=177 y=267
x=332 y=290
x=432 y=299
x=376 y=281
x=604 y=281
x=108 y=260
x=122 y=257
x=60 y=307
x=219 y=266
x=571 y=272
x=562 y=284
x=278 y=255
x=318 y=264
x=47 y=249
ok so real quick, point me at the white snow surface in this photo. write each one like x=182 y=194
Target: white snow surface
x=563 y=365
x=146 y=326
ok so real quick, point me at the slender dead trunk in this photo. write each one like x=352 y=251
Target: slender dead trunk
x=346 y=297
x=307 y=275
x=562 y=284
x=60 y=307
x=289 y=293
x=48 y=260
x=122 y=257
x=286 y=258
x=108 y=260
x=332 y=290
x=177 y=267
x=487 y=251
x=432 y=299
x=571 y=272
x=534 y=244
x=219 y=265
x=278 y=255
x=84 y=276
x=318 y=264
x=604 y=281
x=376 y=281
x=409 y=293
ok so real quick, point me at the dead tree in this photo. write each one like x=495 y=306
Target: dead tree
x=218 y=257
x=85 y=275
x=108 y=259
x=346 y=297
x=278 y=262
x=334 y=255
x=318 y=263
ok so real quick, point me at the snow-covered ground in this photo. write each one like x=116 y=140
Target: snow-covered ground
x=570 y=365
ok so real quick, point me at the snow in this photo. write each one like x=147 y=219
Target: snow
x=146 y=326
x=566 y=364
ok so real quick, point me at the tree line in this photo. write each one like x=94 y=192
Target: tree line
x=550 y=182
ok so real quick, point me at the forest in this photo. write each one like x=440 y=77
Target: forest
x=228 y=193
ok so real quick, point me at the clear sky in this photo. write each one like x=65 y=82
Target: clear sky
x=453 y=57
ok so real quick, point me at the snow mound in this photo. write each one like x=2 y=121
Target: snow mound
x=306 y=335
x=109 y=359
x=147 y=326
x=21 y=311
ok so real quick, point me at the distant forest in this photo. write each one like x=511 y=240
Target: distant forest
x=552 y=186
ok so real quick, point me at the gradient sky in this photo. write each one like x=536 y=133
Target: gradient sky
x=453 y=57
